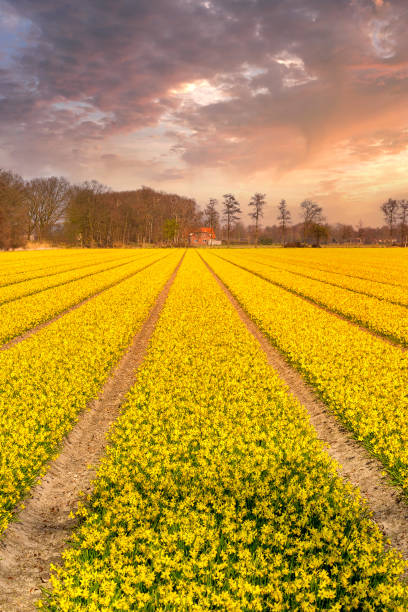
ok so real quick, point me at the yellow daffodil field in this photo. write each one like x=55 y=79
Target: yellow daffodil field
x=214 y=491
x=376 y=313
x=17 y=316
x=17 y=289
x=376 y=265
x=29 y=267
x=47 y=379
x=359 y=376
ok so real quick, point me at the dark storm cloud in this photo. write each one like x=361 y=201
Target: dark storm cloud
x=294 y=76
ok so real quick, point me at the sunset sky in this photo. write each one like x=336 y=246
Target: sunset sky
x=294 y=98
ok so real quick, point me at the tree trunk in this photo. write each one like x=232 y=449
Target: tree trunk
x=283 y=234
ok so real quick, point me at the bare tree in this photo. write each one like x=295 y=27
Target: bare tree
x=360 y=231
x=87 y=213
x=403 y=219
x=312 y=213
x=231 y=212
x=47 y=198
x=211 y=213
x=342 y=232
x=390 y=211
x=239 y=233
x=284 y=218
x=257 y=202
x=13 y=210
x=319 y=231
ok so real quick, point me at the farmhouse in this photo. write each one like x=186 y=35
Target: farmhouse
x=203 y=237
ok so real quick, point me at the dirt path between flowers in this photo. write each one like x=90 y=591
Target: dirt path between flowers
x=37 y=539
x=388 y=506
x=37 y=328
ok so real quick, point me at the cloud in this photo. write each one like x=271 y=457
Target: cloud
x=174 y=86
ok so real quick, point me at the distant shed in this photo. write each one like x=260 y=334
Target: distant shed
x=205 y=236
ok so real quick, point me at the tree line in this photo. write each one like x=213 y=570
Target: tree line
x=313 y=220
x=90 y=214
x=396 y=216
x=311 y=230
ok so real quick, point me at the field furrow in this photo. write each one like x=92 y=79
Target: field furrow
x=383 y=318
x=360 y=378
x=47 y=380
x=30 y=311
x=215 y=493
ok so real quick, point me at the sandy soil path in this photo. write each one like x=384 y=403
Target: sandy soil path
x=389 y=508
x=37 y=539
